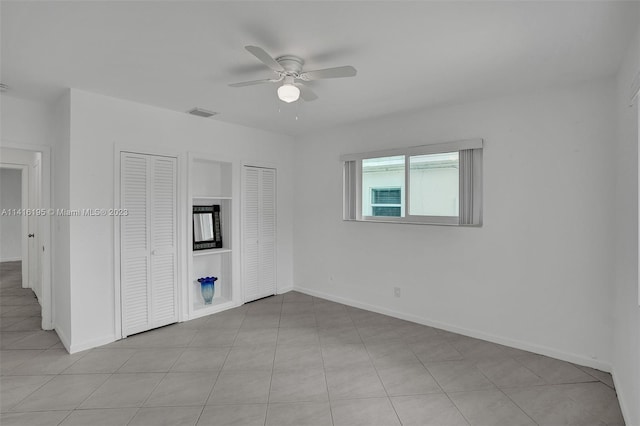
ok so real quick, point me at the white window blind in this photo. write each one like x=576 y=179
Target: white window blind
x=470 y=186
x=350 y=179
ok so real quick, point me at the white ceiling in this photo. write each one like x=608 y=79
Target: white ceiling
x=409 y=55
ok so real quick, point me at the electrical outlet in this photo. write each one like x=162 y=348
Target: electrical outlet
x=396 y=291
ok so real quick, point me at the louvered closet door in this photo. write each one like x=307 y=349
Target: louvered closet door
x=250 y=231
x=164 y=291
x=267 y=236
x=259 y=230
x=134 y=243
x=148 y=242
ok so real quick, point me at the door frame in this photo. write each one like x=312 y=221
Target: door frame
x=34 y=193
x=181 y=201
x=46 y=267
x=259 y=165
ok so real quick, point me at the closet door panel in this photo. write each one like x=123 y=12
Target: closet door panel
x=134 y=243
x=135 y=297
x=163 y=242
x=259 y=227
x=267 y=240
x=251 y=234
x=163 y=290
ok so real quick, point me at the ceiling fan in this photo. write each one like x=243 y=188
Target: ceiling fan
x=288 y=69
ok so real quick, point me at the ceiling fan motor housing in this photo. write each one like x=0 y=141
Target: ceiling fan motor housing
x=291 y=64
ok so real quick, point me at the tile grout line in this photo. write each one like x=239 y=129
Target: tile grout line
x=218 y=373
x=518 y=405
x=504 y=393
x=273 y=364
x=595 y=377
x=458 y=408
x=21 y=400
x=326 y=382
x=161 y=380
x=438 y=383
x=8 y=373
x=217 y=376
x=475 y=366
x=585 y=407
x=377 y=373
x=91 y=393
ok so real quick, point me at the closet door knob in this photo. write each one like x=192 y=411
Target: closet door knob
x=154 y=252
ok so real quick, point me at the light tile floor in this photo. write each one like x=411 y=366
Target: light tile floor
x=286 y=360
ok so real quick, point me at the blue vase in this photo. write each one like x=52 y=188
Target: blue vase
x=206 y=287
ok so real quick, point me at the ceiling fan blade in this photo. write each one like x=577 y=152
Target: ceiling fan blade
x=264 y=57
x=307 y=94
x=252 y=83
x=338 y=72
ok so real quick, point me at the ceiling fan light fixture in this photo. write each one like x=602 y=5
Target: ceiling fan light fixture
x=288 y=93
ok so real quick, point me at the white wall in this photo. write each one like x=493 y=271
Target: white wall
x=536 y=275
x=10 y=226
x=625 y=311
x=99 y=122
x=60 y=137
x=24 y=121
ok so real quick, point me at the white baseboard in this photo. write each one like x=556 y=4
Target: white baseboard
x=73 y=348
x=89 y=344
x=531 y=347
x=10 y=259
x=48 y=326
x=626 y=414
x=285 y=289
x=63 y=338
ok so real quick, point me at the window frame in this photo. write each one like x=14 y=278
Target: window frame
x=352 y=183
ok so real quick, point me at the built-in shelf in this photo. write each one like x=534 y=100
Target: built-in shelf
x=209 y=197
x=210 y=184
x=217 y=305
x=215 y=302
x=211 y=251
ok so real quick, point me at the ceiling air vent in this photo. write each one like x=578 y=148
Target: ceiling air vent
x=201 y=112
x=3 y=87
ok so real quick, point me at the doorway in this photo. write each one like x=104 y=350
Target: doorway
x=14 y=181
x=27 y=219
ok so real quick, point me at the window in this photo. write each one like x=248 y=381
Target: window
x=386 y=202
x=432 y=184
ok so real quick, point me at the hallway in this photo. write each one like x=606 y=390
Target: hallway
x=21 y=324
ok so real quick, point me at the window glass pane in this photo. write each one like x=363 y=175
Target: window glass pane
x=386 y=202
x=385 y=211
x=386 y=196
x=383 y=186
x=433 y=183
